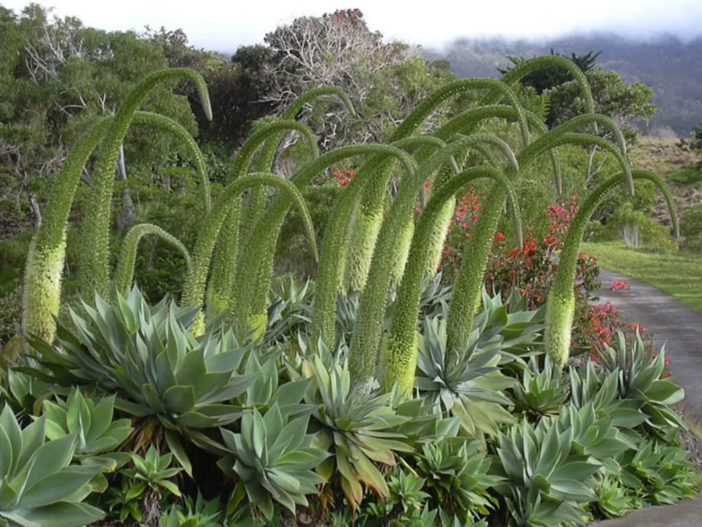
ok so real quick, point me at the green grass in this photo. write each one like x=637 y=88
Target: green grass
x=679 y=275
x=685 y=175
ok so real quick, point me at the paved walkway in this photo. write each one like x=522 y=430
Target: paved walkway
x=680 y=327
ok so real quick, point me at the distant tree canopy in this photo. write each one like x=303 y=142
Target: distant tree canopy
x=338 y=49
x=625 y=103
x=696 y=138
x=548 y=78
x=56 y=77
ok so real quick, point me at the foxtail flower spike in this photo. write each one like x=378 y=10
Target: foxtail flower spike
x=124 y=273
x=399 y=354
x=94 y=261
x=41 y=295
x=560 y=305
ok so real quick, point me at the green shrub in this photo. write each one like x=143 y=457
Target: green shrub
x=638 y=230
x=685 y=176
x=691 y=222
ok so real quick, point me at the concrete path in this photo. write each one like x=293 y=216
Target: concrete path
x=680 y=327
x=676 y=324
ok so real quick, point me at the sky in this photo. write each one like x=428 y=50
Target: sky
x=226 y=24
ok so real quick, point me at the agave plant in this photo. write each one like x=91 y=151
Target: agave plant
x=147 y=480
x=541 y=390
x=640 y=380
x=23 y=392
x=197 y=513
x=544 y=482
x=272 y=459
x=467 y=385
x=148 y=357
x=457 y=475
x=40 y=486
x=356 y=427
x=657 y=473
x=290 y=309
x=97 y=435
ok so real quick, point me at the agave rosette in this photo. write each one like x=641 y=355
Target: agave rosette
x=272 y=459
x=357 y=427
x=38 y=485
x=149 y=358
x=467 y=385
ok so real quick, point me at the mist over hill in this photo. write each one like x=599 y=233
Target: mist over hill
x=672 y=67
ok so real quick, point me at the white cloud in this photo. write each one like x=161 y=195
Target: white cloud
x=226 y=24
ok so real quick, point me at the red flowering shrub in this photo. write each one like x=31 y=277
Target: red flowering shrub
x=465 y=215
x=529 y=269
x=597 y=325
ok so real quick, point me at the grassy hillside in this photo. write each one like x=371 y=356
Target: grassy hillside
x=679 y=275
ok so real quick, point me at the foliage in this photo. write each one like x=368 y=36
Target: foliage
x=40 y=485
x=273 y=459
x=547 y=79
x=59 y=76
x=339 y=49
x=541 y=390
x=544 y=482
x=458 y=478
x=97 y=435
x=355 y=428
x=695 y=142
x=465 y=383
x=150 y=360
x=291 y=394
x=691 y=223
x=638 y=231
x=598 y=324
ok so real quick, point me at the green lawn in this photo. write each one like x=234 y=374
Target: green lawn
x=677 y=274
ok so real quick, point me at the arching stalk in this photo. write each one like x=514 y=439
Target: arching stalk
x=41 y=294
x=259 y=263
x=369 y=215
x=399 y=358
x=221 y=285
x=94 y=261
x=465 y=299
x=257 y=197
x=528 y=66
x=368 y=331
x=173 y=127
x=194 y=290
x=331 y=262
x=124 y=273
x=367 y=219
x=465 y=123
x=560 y=305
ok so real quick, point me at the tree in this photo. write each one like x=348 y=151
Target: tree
x=625 y=103
x=695 y=142
x=548 y=78
x=383 y=80
x=57 y=76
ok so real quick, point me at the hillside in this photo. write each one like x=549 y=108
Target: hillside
x=671 y=67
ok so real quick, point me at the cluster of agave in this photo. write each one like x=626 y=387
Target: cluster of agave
x=192 y=380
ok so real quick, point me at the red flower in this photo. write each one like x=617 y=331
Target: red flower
x=498 y=237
